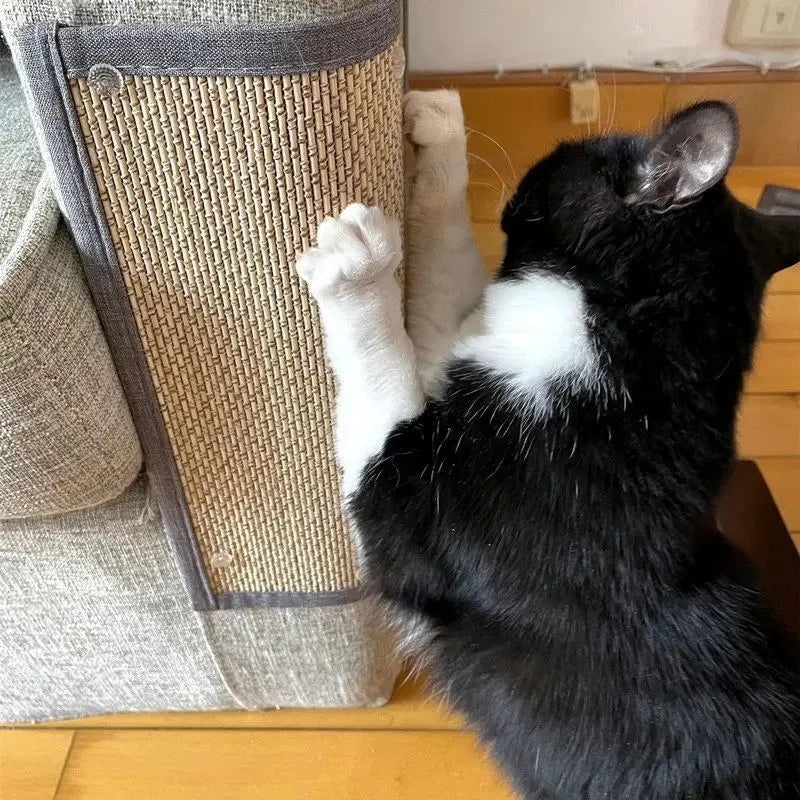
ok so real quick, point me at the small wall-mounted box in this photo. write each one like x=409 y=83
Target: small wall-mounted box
x=764 y=23
x=584 y=101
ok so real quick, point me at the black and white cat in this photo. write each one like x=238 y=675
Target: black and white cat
x=530 y=465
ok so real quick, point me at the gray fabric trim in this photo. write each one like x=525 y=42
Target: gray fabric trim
x=406 y=57
x=39 y=48
x=231 y=600
x=263 y=49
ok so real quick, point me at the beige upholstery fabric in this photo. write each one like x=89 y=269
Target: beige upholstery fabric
x=21 y=165
x=66 y=439
x=94 y=619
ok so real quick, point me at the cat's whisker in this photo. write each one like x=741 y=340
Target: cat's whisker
x=501 y=148
x=487 y=184
x=492 y=168
x=501 y=190
x=613 y=111
x=501 y=202
x=599 y=106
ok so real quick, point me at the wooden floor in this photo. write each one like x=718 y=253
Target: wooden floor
x=410 y=749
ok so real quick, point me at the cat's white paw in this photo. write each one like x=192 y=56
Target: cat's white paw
x=433 y=117
x=353 y=250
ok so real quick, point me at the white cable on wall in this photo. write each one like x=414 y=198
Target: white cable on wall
x=738 y=62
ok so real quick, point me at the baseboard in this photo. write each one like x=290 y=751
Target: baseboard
x=529 y=111
x=559 y=77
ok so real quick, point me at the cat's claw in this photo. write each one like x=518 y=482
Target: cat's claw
x=432 y=117
x=353 y=250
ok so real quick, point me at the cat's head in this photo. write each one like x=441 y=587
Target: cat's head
x=615 y=208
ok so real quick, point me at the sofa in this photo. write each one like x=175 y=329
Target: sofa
x=171 y=533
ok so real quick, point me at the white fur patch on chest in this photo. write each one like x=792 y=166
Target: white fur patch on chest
x=529 y=332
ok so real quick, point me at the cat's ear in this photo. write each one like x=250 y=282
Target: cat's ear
x=692 y=153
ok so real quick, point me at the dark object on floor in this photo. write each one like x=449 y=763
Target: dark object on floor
x=749 y=519
x=779 y=200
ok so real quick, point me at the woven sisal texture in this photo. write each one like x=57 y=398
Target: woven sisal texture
x=211 y=188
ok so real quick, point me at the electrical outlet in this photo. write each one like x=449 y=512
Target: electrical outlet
x=764 y=23
x=780 y=19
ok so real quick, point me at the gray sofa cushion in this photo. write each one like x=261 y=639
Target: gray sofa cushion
x=94 y=619
x=19 y=156
x=67 y=439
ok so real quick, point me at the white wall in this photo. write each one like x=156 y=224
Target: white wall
x=464 y=35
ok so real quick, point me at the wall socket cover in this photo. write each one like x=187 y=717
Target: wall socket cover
x=764 y=23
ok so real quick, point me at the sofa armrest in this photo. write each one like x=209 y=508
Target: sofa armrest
x=749 y=519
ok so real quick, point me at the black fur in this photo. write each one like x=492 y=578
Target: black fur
x=604 y=639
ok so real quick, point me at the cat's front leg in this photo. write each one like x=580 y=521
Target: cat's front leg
x=446 y=274
x=351 y=274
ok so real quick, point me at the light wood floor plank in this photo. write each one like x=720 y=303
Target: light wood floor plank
x=776 y=369
x=278 y=765
x=782 y=316
x=769 y=425
x=31 y=762
x=788 y=280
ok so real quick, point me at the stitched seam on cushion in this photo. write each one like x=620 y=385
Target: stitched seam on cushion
x=36 y=359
